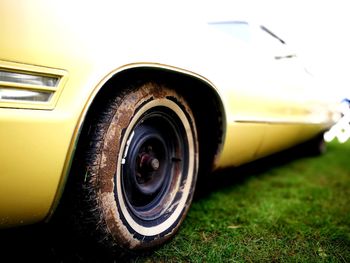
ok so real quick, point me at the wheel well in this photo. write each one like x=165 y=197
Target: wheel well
x=202 y=97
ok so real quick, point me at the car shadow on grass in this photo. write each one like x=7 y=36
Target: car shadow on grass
x=48 y=242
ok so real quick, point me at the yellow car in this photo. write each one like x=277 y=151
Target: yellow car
x=116 y=109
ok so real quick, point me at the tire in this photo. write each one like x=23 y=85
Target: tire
x=316 y=146
x=139 y=169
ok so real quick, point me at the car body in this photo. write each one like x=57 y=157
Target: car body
x=248 y=99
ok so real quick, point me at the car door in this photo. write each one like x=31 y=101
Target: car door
x=287 y=94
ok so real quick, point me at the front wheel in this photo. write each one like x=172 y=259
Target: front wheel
x=139 y=168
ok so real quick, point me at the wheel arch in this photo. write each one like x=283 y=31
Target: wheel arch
x=199 y=92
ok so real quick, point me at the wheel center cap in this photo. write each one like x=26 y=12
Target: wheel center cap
x=148 y=174
x=154 y=164
x=148 y=163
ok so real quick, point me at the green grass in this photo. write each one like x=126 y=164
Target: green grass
x=297 y=211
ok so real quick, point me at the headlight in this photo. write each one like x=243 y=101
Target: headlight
x=26 y=86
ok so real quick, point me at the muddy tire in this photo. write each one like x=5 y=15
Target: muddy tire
x=139 y=169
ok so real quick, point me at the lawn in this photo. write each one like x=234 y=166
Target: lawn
x=295 y=211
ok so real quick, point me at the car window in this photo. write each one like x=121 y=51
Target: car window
x=237 y=29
